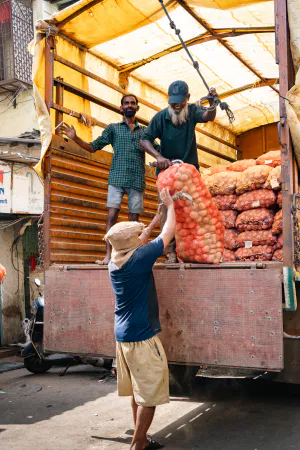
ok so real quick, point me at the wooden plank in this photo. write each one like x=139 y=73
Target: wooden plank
x=285 y=83
x=59 y=115
x=49 y=71
x=206 y=316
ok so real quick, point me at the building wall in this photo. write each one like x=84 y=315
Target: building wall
x=17 y=120
x=13 y=308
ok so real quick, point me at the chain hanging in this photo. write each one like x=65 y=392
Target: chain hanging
x=41 y=241
x=213 y=101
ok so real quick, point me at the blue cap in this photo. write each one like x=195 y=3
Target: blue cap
x=178 y=91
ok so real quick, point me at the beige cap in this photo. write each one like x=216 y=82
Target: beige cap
x=124 y=238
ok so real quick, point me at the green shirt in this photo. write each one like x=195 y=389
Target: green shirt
x=128 y=164
x=176 y=142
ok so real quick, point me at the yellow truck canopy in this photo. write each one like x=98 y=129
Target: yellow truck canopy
x=233 y=41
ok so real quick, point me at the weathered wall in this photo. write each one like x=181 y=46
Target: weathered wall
x=13 y=287
x=15 y=121
x=260 y=140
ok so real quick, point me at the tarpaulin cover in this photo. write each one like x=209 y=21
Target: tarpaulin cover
x=124 y=32
x=293 y=102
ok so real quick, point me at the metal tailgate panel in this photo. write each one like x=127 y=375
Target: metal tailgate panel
x=217 y=317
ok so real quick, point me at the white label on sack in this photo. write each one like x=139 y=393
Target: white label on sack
x=268 y=161
x=274 y=183
x=206 y=171
x=256 y=204
x=248 y=244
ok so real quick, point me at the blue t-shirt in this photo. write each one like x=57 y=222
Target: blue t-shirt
x=136 y=313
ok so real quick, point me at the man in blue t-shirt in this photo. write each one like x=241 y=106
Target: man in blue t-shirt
x=142 y=366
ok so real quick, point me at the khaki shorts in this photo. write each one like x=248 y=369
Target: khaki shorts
x=142 y=370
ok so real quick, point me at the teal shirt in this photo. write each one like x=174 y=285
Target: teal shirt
x=176 y=142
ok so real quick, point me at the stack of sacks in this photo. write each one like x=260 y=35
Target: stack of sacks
x=222 y=187
x=248 y=202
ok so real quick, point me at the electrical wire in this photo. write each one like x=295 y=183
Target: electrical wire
x=14 y=222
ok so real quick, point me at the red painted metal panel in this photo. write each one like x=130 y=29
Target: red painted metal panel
x=217 y=317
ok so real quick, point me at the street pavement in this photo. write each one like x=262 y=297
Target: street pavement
x=81 y=411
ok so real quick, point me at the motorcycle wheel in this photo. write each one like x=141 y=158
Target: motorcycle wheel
x=36 y=365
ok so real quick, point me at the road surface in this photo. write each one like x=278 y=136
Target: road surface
x=79 y=412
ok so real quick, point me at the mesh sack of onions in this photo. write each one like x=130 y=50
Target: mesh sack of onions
x=255 y=253
x=279 y=199
x=261 y=198
x=217 y=168
x=252 y=178
x=199 y=227
x=278 y=255
x=223 y=183
x=251 y=238
x=225 y=202
x=229 y=218
x=272 y=159
x=228 y=255
x=231 y=239
x=242 y=165
x=277 y=225
x=274 y=179
x=255 y=219
x=279 y=243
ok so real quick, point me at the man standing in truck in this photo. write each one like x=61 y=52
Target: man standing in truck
x=142 y=367
x=175 y=127
x=127 y=172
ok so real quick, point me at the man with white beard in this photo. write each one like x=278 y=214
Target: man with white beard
x=175 y=127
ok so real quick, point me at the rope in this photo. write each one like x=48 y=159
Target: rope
x=213 y=101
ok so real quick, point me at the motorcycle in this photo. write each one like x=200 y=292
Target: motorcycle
x=35 y=359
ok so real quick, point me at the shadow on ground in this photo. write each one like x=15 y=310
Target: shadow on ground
x=27 y=398
x=238 y=415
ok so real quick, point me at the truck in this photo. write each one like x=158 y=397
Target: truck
x=231 y=317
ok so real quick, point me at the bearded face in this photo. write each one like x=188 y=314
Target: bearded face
x=178 y=117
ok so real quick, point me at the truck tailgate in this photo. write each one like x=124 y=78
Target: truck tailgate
x=227 y=317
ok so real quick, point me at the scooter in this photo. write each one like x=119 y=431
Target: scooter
x=35 y=359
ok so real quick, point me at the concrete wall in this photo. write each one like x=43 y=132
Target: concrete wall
x=13 y=305
x=15 y=121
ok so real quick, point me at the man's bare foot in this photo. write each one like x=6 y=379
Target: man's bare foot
x=104 y=261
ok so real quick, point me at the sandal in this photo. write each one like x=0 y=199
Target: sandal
x=153 y=445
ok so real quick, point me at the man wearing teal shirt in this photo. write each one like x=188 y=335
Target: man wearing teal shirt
x=175 y=127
